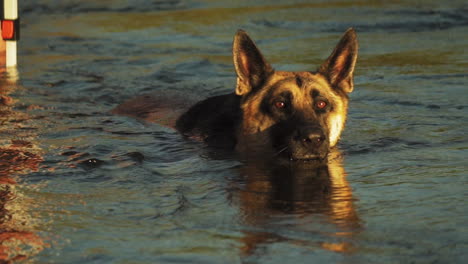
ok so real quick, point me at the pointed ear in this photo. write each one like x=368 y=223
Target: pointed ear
x=251 y=68
x=339 y=67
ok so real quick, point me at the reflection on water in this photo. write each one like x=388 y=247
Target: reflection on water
x=302 y=191
x=18 y=238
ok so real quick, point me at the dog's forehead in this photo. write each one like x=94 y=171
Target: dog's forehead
x=299 y=82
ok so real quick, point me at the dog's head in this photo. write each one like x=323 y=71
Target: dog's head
x=296 y=114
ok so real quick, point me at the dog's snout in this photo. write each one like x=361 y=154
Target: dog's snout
x=310 y=137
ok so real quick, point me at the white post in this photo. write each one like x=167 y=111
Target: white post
x=10 y=8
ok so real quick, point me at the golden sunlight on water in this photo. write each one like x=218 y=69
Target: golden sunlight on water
x=18 y=237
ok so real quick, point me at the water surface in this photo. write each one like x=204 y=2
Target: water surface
x=80 y=185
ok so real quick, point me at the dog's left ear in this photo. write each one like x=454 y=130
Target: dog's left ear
x=251 y=67
x=339 y=67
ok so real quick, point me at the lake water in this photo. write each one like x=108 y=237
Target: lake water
x=80 y=185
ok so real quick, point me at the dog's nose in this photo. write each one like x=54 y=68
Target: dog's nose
x=311 y=137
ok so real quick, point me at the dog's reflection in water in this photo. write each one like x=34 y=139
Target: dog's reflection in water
x=302 y=197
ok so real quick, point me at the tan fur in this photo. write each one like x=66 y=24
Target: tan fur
x=254 y=122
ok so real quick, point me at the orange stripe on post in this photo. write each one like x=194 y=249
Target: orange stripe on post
x=8 y=29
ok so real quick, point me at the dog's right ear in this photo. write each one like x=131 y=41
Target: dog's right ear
x=251 y=67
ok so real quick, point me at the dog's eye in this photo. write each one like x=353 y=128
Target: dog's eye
x=280 y=104
x=321 y=104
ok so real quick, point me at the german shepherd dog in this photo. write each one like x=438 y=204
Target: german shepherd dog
x=295 y=115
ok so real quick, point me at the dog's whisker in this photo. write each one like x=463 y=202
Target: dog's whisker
x=281 y=150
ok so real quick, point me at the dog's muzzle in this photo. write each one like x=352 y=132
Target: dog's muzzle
x=308 y=143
